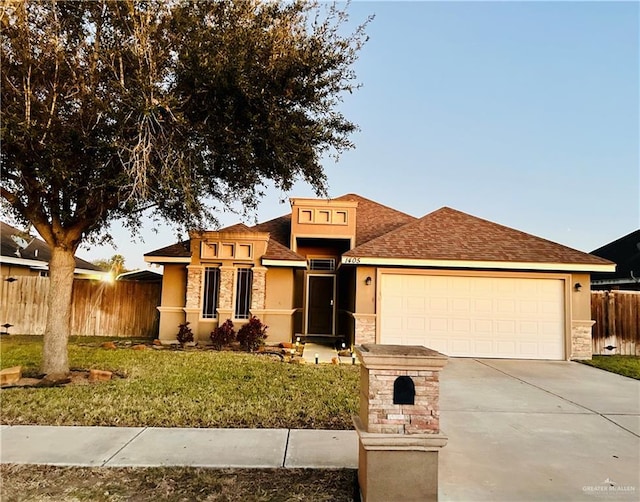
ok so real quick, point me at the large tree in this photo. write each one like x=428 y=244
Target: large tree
x=114 y=109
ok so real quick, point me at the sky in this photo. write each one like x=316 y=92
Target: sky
x=522 y=113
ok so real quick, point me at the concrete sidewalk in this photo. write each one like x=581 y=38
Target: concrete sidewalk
x=151 y=447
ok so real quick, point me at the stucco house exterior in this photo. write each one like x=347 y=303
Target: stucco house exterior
x=352 y=269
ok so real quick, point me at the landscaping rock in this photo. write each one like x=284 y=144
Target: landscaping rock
x=109 y=345
x=287 y=345
x=139 y=347
x=297 y=360
x=99 y=375
x=157 y=342
x=10 y=376
x=335 y=360
x=169 y=342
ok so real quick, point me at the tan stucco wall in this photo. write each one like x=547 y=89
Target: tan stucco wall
x=366 y=295
x=279 y=288
x=174 y=283
x=302 y=226
x=278 y=312
x=581 y=300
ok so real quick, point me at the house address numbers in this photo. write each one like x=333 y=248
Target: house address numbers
x=351 y=259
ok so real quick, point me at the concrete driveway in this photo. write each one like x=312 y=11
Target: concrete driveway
x=538 y=430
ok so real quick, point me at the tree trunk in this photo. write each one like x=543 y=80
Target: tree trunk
x=55 y=358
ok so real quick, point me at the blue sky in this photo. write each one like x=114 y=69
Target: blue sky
x=523 y=113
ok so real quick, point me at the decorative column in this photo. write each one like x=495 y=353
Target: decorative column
x=258 y=288
x=225 y=298
x=194 y=293
x=399 y=422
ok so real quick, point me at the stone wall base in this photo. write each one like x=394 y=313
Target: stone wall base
x=581 y=339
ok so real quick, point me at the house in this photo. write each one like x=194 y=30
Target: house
x=352 y=269
x=625 y=253
x=22 y=254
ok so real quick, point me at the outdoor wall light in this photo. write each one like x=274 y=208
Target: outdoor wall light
x=577 y=286
x=367 y=281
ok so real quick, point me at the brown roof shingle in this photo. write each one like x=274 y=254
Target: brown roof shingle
x=374 y=219
x=177 y=250
x=451 y=235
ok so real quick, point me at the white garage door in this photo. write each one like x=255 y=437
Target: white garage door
x=474 y=316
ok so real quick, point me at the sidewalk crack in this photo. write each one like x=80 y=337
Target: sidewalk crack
x=123 y=447
x=286 y=448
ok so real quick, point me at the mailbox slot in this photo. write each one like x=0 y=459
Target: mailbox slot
x=404 y=390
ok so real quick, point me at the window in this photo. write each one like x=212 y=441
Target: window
x=322 y=264
x=243 y=293
x=211 y=292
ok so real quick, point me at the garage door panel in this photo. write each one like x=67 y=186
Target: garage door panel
x=474 y=316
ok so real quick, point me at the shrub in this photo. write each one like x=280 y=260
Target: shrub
x=185 y=335
x=252 y=335
x=223 y=334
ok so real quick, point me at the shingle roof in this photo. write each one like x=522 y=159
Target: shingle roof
x=374 y=219
x=37 y=250
x=177 y=250
x=451 y=235
x=279 y=229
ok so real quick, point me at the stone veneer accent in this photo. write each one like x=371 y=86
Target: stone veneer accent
x=581 y=339
x=194 y=286
x=377 y=411
x=225 y=298
x=385 y=417
x=365 y=328
x=259 y=288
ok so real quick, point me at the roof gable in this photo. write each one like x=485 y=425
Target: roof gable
x=451 y=235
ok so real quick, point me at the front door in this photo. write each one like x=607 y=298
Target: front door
x=321 y=305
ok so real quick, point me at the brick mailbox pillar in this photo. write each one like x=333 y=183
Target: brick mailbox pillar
x=399 y=422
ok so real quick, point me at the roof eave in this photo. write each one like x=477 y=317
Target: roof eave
x=506 y=265
x=270 y=262
x=167 y=259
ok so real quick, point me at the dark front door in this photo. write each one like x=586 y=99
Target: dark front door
x=320 y=320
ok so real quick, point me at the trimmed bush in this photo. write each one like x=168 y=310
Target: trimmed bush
x=252 y=335
x=185 y=335
x=223 y=335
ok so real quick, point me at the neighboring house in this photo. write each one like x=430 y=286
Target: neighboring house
x=625 y=253
x=140 y=275
x=23 y=254
x=354 y=269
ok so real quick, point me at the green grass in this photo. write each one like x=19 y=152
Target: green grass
x=181 y=389
x=628 y=366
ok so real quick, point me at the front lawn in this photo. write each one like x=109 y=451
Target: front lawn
x=623 y=365
x=171 y=388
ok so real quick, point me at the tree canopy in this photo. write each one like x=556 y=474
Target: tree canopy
x=113 y=108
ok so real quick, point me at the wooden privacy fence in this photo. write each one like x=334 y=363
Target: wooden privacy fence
x=120 y=309
x=617 y=316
